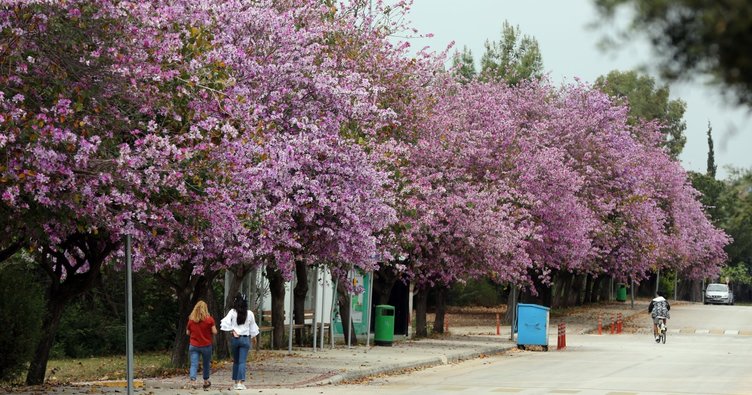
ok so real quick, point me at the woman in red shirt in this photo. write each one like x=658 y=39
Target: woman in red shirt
x=201 y=329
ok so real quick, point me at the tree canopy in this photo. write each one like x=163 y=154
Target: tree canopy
x=648 y=102
x=221 y=134
x=706 y=37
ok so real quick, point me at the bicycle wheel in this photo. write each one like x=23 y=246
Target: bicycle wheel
x=663 y=336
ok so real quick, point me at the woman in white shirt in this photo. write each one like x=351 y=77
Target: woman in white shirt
x=241 y=322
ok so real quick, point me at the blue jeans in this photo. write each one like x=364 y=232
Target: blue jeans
x=240 y=347
x=206 y=353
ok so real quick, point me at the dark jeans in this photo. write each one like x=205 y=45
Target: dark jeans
x=206 y=353
x=239 y=347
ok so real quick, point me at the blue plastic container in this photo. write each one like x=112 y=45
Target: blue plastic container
x=532 y=325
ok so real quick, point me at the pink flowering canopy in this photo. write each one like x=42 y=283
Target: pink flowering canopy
x=204 y=90
x=516 y=181
x=620 y=167
x=224 y=132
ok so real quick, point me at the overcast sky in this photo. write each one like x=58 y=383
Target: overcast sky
x=570 y=50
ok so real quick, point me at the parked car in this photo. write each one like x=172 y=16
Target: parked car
x=719 y=293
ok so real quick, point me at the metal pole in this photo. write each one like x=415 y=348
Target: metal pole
x=314 y=324
x=331 y=313
x=350 y=321
x=631 y=291
x=676 y=285
x=292 y=305
x=702 y=291
x=410 y=293
x=129 y=313
x=657 y=280
x=228 y=278
x=261 y=296
x=323 y=299
x=368 y=309
x=513 y=311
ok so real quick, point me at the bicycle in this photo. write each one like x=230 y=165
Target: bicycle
x=661 y=330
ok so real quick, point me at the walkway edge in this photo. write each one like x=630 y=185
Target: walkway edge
x=419 y=364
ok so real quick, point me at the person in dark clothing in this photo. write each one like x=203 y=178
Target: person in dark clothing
x=658 y=309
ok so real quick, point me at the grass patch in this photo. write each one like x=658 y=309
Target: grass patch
x=109 y=368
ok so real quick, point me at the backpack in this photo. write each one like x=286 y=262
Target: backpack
x=660 y=309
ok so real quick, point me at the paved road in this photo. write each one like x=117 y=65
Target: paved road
x=708 y=352
x=715 y=319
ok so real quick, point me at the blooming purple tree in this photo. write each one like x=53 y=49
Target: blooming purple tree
x=477 y=172
x=619 y=165
x=225 y=135
x=70 y=186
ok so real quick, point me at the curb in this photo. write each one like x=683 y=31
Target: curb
x=111 y=383
x=419 y=364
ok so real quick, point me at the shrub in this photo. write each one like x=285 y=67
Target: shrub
x=93 y=324
x=21 y=309
x=480 y=292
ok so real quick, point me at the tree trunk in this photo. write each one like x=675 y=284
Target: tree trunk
x=301 y=291
x=438 y=323
x=421 y=309
x=604 y=291
x=545 y=293
x=695 y=293
x=62 y=289
x=559 y=289
x=566 y=280
x=189 y=289
x=383 y=283
x=589 y=289
x=178 y=357
x=581 y=289
x=343 y=300
x=237 y=274
x=277 y=291
x=51 y=322
x=216 y=311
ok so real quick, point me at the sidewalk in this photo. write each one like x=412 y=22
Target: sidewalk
x=303 y=367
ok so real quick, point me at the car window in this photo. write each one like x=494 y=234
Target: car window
x=717 y=287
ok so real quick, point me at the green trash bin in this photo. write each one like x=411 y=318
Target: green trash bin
x=621 y=292
x=384 y=317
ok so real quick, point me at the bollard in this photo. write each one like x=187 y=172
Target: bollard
x=619 y=321
x=564 y=334
x=613 y=324
x=446 y=323
x=498 y=325
x=561 y=341
x=600 y=325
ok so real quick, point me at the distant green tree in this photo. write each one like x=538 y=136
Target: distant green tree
x=711 y=37
x=711 y=153
x=714 y=194
x=648 y=102
x=514 y=58
x=738 y=224
x=463 y=65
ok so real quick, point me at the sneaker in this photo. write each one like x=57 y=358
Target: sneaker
x=658 y=339
x=240 y=386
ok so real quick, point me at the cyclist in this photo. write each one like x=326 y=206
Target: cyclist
x=658 y=307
